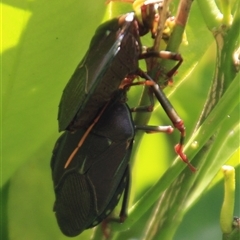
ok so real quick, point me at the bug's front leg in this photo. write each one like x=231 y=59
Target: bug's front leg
x=148 y=53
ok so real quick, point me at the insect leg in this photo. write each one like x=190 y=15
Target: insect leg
x=164 y=55
x=173 y=116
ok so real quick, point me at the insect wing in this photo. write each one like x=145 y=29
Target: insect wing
x=75 y=204
x=97 y=77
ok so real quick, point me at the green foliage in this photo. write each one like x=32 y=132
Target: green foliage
x=42 y=44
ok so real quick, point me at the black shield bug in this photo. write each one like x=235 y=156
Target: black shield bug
x=112 y=57
x=90 y=187
x=90 y=162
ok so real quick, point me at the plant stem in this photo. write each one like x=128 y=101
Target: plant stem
x=211 y=13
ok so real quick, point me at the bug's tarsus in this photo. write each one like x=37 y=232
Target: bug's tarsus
x=179 y=151
x=123 y=213
x=105 y=229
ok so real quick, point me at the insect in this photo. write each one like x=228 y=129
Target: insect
x=112 y=57
x=111 y=63
x=90 y=187
x=90 y=161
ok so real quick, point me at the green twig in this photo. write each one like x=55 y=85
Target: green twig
x=211 y=13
